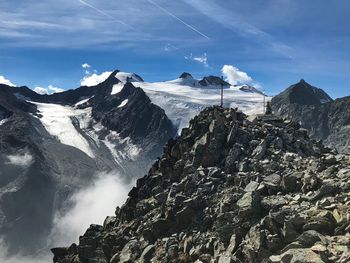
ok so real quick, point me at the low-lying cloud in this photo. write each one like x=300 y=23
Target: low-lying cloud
x=90 y=205
x=24 y=159
x=234 y=76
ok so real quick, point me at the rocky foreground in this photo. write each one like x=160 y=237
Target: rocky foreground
x=230 y=189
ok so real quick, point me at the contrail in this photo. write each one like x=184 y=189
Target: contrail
x=105 y=14
x=179 y=19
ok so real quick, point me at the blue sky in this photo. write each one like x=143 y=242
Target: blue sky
x=276 y=42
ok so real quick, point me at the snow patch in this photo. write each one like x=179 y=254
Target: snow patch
x=187 y=100
x=324 y=100
x=127 y=77
x=82 y=101
x=57 y=121
x=117 y=88
x=95 y=79
x=5 y=81
x=124 y=102
x=3 y=121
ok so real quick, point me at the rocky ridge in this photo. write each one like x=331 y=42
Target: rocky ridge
x=39 y=170
x=230 y=189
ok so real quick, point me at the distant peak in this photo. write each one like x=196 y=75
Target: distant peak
x=186 y=75
x=302 y=81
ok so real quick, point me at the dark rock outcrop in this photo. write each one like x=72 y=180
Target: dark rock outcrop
x=213 y=80
x=186 y=75
x=230 y=190
x=324 y=118
x=38 y=173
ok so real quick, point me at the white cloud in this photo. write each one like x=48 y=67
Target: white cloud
x=203 y=59
x=55 y=89
x=49 y=90
x=20 y=159
x=234 y=76
x=90 y=206
x=6 y=258
x=41 y=91
x=86 y=65
x=5 y=81
x=95 y=79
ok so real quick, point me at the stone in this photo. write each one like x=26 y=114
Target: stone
x=225 y=259
x=309 y=238
x=297 y=255
x=147 y=254
x=230 y=190
x=324 y=223
x=249 y=203
x=260 y=150
x=292 y=182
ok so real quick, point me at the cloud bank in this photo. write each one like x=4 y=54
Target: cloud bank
x=91 y=206
x=234 y=76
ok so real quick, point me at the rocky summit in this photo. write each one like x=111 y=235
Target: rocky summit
x=230 y=189
x=325 y=119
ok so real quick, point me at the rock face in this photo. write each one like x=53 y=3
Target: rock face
x=324 y=118
x=230 y=190
x=213 y=81
x=39 y=172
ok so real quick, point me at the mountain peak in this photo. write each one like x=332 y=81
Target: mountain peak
x=213 y=80
x=186 y=75
x=302 y=81
x=303 y=93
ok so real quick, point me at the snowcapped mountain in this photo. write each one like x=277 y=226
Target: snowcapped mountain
x=249 y=88
x=184 y=97
x=54 y=145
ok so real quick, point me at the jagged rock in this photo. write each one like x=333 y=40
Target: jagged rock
x=298 y=255
x=266 y=194
x=249 y=203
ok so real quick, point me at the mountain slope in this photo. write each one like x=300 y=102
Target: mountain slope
x=53 y=145
x=185 y=97
x=118 y=126
x=229 y=190
x=326 y=119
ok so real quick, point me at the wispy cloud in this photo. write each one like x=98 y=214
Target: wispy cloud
x=203 y=59
x=235 y=22
x=105 y=14
x=86 y=65
x=179 y=19
x=169 y=47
